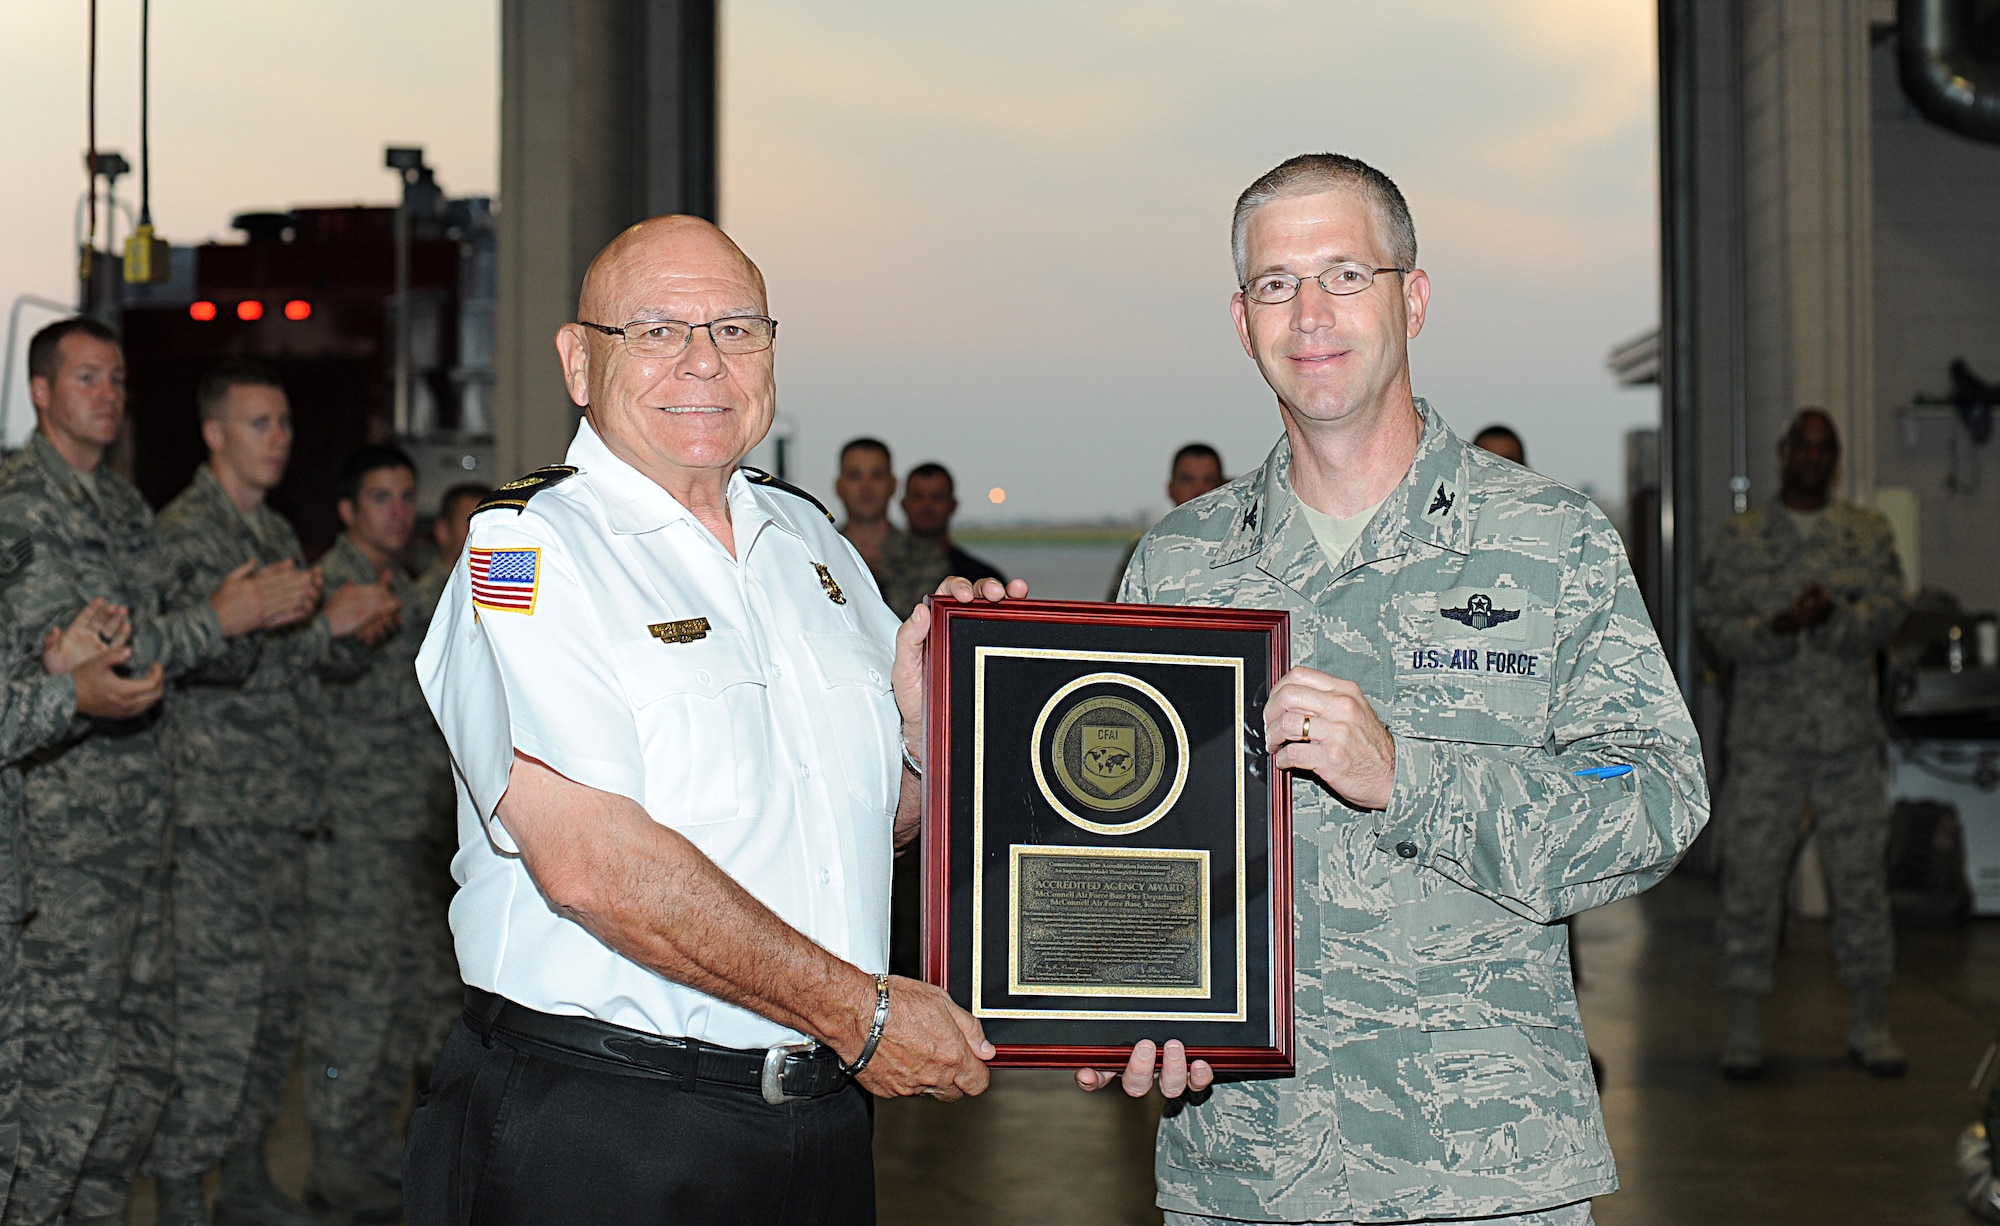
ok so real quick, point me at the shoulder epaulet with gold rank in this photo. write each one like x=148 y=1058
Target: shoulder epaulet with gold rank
x=758 y=476
x=516 y=493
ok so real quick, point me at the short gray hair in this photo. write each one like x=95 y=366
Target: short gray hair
x=1309 y=174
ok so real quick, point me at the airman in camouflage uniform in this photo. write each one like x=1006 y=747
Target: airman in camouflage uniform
x=440 y=842
x=906 y=569
x=43 y=688
x=241 y=750
x=244 y=798
x=34 y=711
x=1475 y=644
x=448 y=533
x=374 y=901
x=1799 y=595
x=95 y=954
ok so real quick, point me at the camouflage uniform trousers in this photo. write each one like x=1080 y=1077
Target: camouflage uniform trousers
x=12 y=1037
x=97 y=982
x=1762 y=801
x=1577 y=1214
x=367 y=973
x=12 y=997
x=239 y=988
x=443 y=989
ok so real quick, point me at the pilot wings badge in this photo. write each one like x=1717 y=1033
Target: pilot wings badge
x=1479 y=613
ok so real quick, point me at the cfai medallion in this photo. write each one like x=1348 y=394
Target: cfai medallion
x=1107 y=754
x=1127 y=922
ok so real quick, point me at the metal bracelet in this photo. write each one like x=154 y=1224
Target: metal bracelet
x=910 y=759
x=874 y=1031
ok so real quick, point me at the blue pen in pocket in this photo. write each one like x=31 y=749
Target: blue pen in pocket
x=1602 y=772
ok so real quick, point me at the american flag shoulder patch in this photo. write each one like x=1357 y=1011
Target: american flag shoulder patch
x=505 y=580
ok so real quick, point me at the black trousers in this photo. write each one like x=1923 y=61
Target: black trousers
x=515 y=1132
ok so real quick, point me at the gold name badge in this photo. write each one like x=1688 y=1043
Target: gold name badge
x=686 y=630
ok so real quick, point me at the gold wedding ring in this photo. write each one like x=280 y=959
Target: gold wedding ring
x=1306 y=729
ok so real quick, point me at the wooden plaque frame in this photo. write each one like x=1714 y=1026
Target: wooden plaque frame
x=1263 y=887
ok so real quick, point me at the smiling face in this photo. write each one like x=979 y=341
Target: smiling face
x=680 y=418
x=1333 y=361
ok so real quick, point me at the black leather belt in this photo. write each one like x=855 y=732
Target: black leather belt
x=782 y=1073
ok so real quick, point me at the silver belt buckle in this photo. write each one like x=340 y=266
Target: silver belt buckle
x=773 y=1080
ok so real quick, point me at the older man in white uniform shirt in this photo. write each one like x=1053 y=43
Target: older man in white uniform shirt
x=667 y=686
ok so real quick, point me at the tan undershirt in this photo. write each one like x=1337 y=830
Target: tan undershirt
x=1337 y=533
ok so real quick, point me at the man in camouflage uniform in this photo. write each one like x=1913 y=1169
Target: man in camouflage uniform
x=43 y=686
x=376 y=921
x=906 y=569
x=1799 y=595
x=440 y=841
x=1483 y=737
x=96 y=961
x=1195 y=470
x=448 y=532
x=240 y=752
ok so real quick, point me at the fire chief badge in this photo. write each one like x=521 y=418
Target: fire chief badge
x=505 y=580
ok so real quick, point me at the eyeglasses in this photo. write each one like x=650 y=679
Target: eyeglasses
x=1272 y=288
x=666 y=338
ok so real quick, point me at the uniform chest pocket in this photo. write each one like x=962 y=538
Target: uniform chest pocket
x=1473 y=665
x=699 y=708
x=861 y=714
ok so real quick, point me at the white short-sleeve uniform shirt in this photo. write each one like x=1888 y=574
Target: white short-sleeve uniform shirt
x=744 y=702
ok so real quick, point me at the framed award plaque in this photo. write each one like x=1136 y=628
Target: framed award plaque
x=1107 y=851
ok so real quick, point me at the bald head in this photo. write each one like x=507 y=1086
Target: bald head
x=686 y=417
x=672 y=248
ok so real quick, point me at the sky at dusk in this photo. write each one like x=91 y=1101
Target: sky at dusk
x=997 y=236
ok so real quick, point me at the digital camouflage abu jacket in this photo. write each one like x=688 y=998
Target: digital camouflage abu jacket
x=239 y=739
x=102 y=786
x=1491 y=618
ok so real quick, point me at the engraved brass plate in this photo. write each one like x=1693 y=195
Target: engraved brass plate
x=1110 y=921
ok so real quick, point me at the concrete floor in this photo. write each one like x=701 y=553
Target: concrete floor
x=1814 y=1142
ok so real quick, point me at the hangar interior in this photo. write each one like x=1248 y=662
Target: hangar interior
x=1830 y=226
